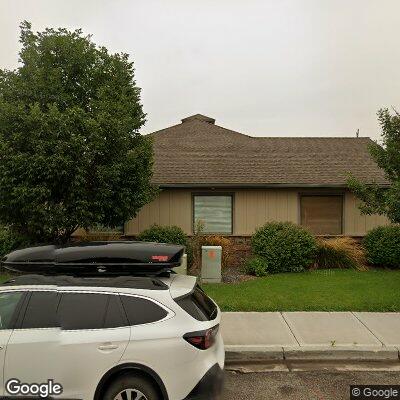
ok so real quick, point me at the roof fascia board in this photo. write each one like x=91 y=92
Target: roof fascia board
x=252 y=186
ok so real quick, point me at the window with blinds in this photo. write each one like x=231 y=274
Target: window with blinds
x=214 y=211
x=322 y=215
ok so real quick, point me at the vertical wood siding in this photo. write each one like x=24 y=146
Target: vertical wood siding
x=356 y=224
x=252 y=208
x=171 y=207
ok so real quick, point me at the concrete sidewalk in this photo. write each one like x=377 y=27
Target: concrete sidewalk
x=311 y=335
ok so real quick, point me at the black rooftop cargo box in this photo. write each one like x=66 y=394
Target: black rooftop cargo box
x=96 y=258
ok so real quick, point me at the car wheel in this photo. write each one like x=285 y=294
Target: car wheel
x=131 y=387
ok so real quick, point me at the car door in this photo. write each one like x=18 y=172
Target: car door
x=72 y=338
x=94 y=336
x=10 y=303
x=32 y=351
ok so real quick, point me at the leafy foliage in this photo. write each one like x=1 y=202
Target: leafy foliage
x=10 y=241
x=284 y=246
x=256 y=266
x=164 y=234
x=70 y=152
x=382 y=246
x=375 y=199
x=343 y=252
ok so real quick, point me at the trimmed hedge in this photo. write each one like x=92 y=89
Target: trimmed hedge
x=284 y=246
x=256 y=266
x=164 y=234
x=382 y=246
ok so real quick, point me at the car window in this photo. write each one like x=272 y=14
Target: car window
x=41 y=310
x=142 y=311
x=82 y=310
x=8 y=305
x=115 y=314
x=198 y=305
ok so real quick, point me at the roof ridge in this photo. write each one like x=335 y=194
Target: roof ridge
x=260 y=137
x=163 y=129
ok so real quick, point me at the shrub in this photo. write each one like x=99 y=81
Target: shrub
x=164 y=234
x=343 y=252
x=256 y=266
x=382 y=246
x=9 y=240
x=88 y=236
x=225 y=243
x=285 y=247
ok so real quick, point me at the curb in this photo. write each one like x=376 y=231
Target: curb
x=248 y=354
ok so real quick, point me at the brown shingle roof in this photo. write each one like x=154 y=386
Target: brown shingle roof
x=197 y=152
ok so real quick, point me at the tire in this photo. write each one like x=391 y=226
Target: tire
x=131 y=387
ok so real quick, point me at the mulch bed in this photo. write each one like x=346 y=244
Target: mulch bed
x=235 y=275
x=229 y=275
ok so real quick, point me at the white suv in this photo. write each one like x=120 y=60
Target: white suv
x=124 y=338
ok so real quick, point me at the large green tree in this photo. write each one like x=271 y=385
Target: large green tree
x=374 y=198
x=70 y=151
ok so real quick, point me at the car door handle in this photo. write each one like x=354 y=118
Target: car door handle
x=1 y=347
x=108 y=346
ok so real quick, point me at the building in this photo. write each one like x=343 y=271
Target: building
x=235 y=183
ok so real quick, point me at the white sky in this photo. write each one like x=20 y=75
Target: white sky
x=261 y=67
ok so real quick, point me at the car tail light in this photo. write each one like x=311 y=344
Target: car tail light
x=203 y=340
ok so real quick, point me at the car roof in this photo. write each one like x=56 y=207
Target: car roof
x=131 y=282
x=178 y=285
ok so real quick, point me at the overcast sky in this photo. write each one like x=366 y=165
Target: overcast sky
x=261 y=67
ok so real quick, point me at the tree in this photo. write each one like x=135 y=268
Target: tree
x=70 y=151
x=376 y=199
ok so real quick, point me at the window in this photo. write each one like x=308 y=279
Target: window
x=8 y=305
x=142 y=311
x=41 y=311
x=115 y=315
x=198 y=305
x=82 y=310
x=322 y=214
x=215 y=212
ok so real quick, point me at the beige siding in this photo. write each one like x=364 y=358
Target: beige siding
x=255 y=207
x=356 y=224
x=172 y=207
x=252 y=208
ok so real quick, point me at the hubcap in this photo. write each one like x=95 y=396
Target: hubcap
x=130 y=394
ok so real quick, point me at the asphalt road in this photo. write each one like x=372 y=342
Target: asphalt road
x=304 y=385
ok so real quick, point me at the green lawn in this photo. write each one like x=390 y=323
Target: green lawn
x=325 y=290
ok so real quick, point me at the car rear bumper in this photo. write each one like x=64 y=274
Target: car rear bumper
x=210 y=385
